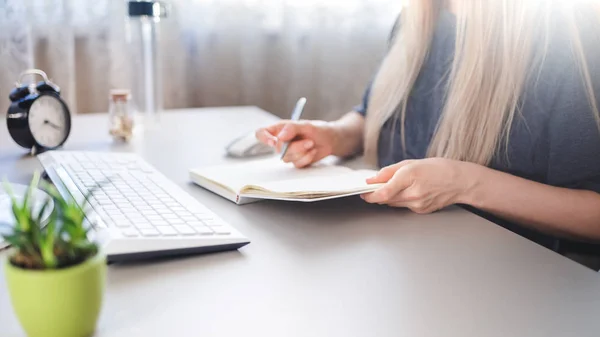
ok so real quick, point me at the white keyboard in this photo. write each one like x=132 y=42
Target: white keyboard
x=136 y=212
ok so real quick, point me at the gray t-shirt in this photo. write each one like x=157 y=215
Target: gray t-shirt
x=555 y=140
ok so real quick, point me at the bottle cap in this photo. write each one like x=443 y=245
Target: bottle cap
x=154 y=9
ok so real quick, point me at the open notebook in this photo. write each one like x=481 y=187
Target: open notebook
x=272 y=179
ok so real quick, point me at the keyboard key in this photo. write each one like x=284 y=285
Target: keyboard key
x=130 y=232
x=167 y=230
x=135 y=217
x=203 y=230
x=160 y=222
x=103 y=215
x=176 y=221
x=212 y=223
x=143 y=225
x=122 y=224
x=188 y=218
x=185 y=229
x=100 y=224
x=144 y=193
x=149 y=232
x=164 y=211
x=170 y=216
x=118 y=217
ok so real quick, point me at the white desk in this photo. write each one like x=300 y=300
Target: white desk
x=336 y=268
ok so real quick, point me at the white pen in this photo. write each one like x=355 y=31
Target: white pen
x=295 y=116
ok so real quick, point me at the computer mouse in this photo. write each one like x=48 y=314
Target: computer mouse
x=248 y=146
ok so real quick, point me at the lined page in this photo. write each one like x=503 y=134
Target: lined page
x=263 y=172
x=317 y=186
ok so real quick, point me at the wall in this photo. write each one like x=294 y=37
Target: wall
x=215 y=53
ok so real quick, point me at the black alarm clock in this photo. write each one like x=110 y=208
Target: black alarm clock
x=38 y=119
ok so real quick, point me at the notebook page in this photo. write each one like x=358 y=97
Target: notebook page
x=263 y=171
x=317 y=186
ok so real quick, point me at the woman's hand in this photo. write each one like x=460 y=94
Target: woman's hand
x=425 y=185
x=310 y=141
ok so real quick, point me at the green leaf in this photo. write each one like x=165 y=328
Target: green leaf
x=60 y=202
x=43 y=209
x=15 y=240
x=35 y=232
x=47 y=246
x=21 y=216
x=22 y=243
x=34 y=183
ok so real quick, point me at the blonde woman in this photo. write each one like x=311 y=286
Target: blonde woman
x=488 y=104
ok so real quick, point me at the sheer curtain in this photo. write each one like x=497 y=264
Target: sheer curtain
x=214 y=52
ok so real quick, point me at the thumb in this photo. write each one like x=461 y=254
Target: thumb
x=386 y=173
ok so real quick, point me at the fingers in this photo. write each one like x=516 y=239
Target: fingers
x=283 y=132
x=382 y=176
x=400 y=181
x=307 y=159
x=269 y=135
x=265 y=137
x=289 y=131
x=298 y=149
x=386 y=173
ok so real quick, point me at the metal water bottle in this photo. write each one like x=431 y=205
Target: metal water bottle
x=144 y=39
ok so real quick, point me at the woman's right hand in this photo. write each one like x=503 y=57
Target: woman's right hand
x=310 y=141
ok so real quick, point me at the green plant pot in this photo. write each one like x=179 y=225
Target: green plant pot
x=58 y=303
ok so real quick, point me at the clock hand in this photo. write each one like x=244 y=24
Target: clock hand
x=51 y=124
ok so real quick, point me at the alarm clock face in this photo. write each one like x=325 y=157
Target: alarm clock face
x=49 y=121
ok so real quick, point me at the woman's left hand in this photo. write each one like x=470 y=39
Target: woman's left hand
x=424 y=185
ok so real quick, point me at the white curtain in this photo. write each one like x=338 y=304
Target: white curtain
x=215 y=52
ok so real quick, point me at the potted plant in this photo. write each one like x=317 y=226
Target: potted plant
x=55 y=273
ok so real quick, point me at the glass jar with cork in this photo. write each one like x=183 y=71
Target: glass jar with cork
x=121 y=115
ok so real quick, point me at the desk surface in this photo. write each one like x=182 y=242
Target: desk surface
x=335 y=268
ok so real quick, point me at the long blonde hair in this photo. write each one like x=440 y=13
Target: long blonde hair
x=492 y=61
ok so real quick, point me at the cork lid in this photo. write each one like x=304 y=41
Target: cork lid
x=120 y=94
